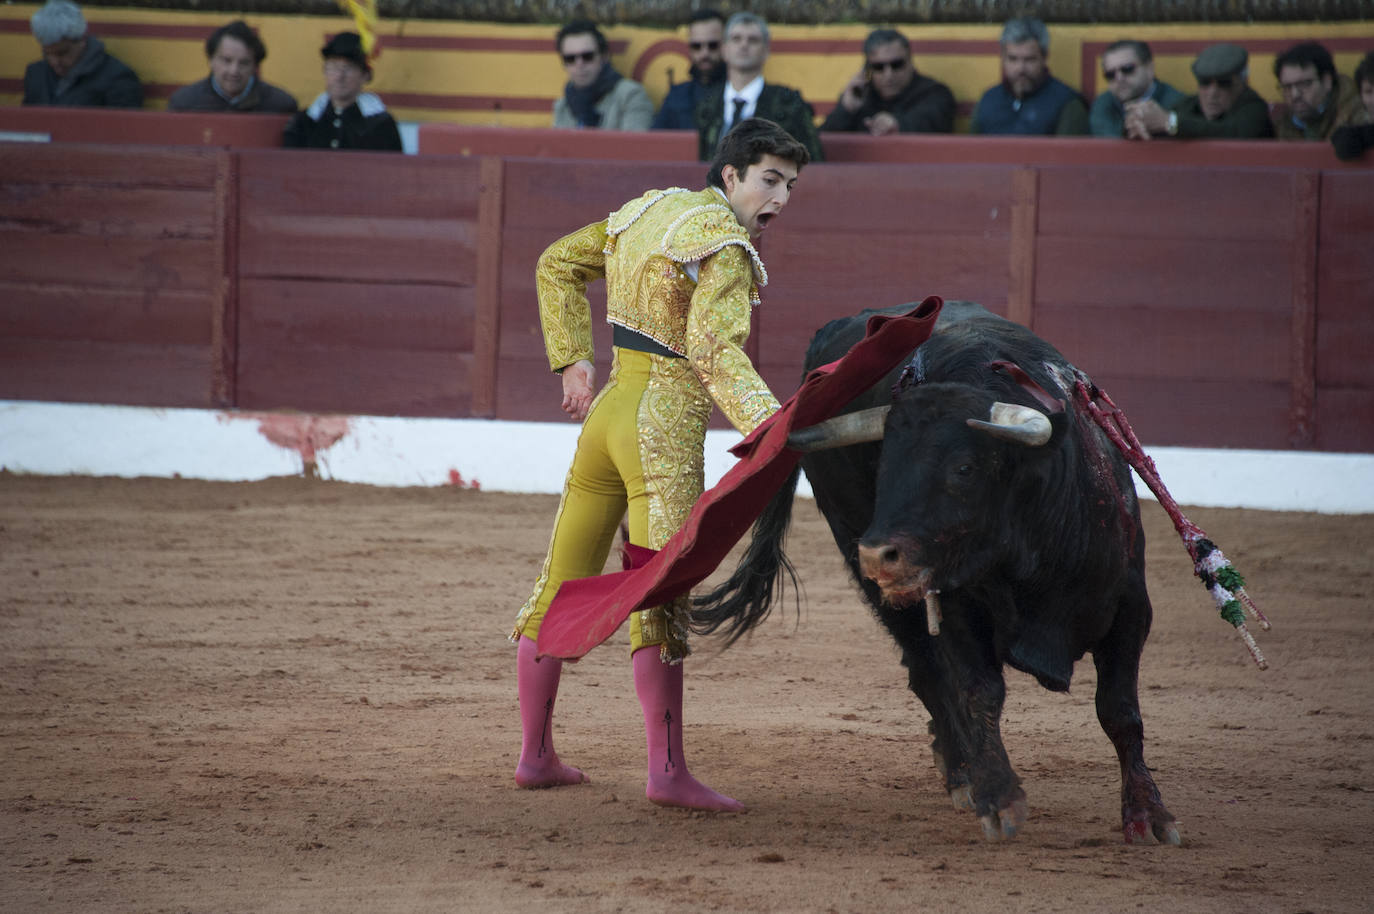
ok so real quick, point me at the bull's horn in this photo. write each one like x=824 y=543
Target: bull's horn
x=849 y=428
x=1015 y=423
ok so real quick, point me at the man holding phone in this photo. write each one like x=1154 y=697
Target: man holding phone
x=889 y=96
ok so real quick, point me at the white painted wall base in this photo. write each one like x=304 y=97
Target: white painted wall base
x=65 y=438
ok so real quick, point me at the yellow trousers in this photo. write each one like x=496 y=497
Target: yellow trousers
x=639 y=453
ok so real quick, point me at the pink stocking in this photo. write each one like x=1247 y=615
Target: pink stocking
x=659 y=686
x=538 y=686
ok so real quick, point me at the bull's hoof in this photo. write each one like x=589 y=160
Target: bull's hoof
x=962 y=797
x=1006 y=823
x=1141 y=830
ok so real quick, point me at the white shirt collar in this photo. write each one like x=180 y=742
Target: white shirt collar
x=749 y=93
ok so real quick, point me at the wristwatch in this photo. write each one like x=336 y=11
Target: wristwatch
x=1173 y=123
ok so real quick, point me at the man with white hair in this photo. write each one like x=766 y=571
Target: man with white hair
x=75 y=70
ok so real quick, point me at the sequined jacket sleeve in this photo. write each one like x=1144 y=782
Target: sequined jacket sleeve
x=560 y=280
x=717 y=326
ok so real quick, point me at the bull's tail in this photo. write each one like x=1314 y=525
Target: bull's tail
x=745 y=600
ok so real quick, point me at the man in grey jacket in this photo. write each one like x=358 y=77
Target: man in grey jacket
x=75 y=70
x=236 y=54
x=595 y=94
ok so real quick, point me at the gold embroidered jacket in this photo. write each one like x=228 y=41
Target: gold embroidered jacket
x=641 y=250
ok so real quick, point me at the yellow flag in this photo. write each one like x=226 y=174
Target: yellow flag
x=364 y=13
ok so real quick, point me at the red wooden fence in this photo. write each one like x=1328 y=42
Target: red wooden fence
x=1221 y=304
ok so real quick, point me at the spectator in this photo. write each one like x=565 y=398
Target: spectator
x=1129 y=68
x=1029 y=100
x=344 y=116
x=705 y=35
x=235 y=53
x=1351 y=140
x=595 y=94
x=889 y=96
x=744 y=94
x=1317 y=99
x=1225 y=106
x=76 y=70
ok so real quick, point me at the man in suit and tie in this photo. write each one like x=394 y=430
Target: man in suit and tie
x=744 y=94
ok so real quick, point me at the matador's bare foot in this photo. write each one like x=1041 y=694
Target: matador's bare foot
x=681 y=789
x=548 y=773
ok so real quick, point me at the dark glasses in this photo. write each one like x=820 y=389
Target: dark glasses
x=585 y=57
x=1221 y=82
x=1126 y=69
x=878 y=66
x=704 y=45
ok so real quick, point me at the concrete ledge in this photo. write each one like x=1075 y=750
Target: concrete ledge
x=66 y=438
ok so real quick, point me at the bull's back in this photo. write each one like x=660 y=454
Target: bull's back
x=960 y=324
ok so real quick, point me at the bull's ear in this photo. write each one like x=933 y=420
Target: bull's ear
x=848 y=428
x=1019 y=424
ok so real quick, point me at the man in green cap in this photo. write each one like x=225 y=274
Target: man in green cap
x=1225 y=107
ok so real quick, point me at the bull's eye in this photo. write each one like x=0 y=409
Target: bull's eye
x=965 y=469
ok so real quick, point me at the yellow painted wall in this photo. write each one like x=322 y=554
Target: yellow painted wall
x=520 y=72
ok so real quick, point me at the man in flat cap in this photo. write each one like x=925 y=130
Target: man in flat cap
x=344 y=116
x=1225 y=106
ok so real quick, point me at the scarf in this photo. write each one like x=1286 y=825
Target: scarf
x=582 y=102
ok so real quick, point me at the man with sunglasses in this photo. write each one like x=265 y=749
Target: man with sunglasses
x=1316 y=99
x=889 y=96
x=596 y=96
x=1225 y=106
x=705 y=37
x=1128 y=68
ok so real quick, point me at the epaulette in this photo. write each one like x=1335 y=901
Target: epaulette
x=703 y=230
x=625 y=217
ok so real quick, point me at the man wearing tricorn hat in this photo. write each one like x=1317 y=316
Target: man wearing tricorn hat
x=1225 y=106
x=344 y=116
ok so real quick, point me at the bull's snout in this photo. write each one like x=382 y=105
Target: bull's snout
x=881 y=564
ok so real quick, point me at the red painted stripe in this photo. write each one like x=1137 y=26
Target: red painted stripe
x=438 y=102
x=470 y=43
x=855 y=46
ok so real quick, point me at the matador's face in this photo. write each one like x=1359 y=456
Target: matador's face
x=759 y=193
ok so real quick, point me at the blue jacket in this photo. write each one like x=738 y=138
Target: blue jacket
x=1039 y=113
x=678 y=105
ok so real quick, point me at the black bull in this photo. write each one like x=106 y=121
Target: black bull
x=1018 y=529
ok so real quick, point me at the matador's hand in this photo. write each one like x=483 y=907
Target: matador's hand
x=579 y=387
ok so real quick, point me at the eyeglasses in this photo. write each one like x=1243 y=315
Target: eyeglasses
x=704 y=45
x=584 y=56
x=1221 y=82
x=1301 y=85
x=878 y=66
x=1126 y=69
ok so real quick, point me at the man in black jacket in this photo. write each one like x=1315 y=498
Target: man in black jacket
x=889 y=96
x=344 y=116
x=744 y=94
x=75 y=70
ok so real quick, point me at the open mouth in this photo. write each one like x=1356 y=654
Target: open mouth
x=764 y=219
x=910 y=590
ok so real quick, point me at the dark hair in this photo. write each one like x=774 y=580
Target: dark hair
x=706 y=16
x=1141 y=49
x=240 y=32
x=1364 y=73
x=748 y=142
x=879 y=37
x=581 y=27
x=1307 y=54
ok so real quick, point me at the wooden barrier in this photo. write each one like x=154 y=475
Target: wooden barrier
x=111 y=125
x=1221 y=305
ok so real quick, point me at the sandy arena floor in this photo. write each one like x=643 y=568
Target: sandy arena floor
x=298 y=696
